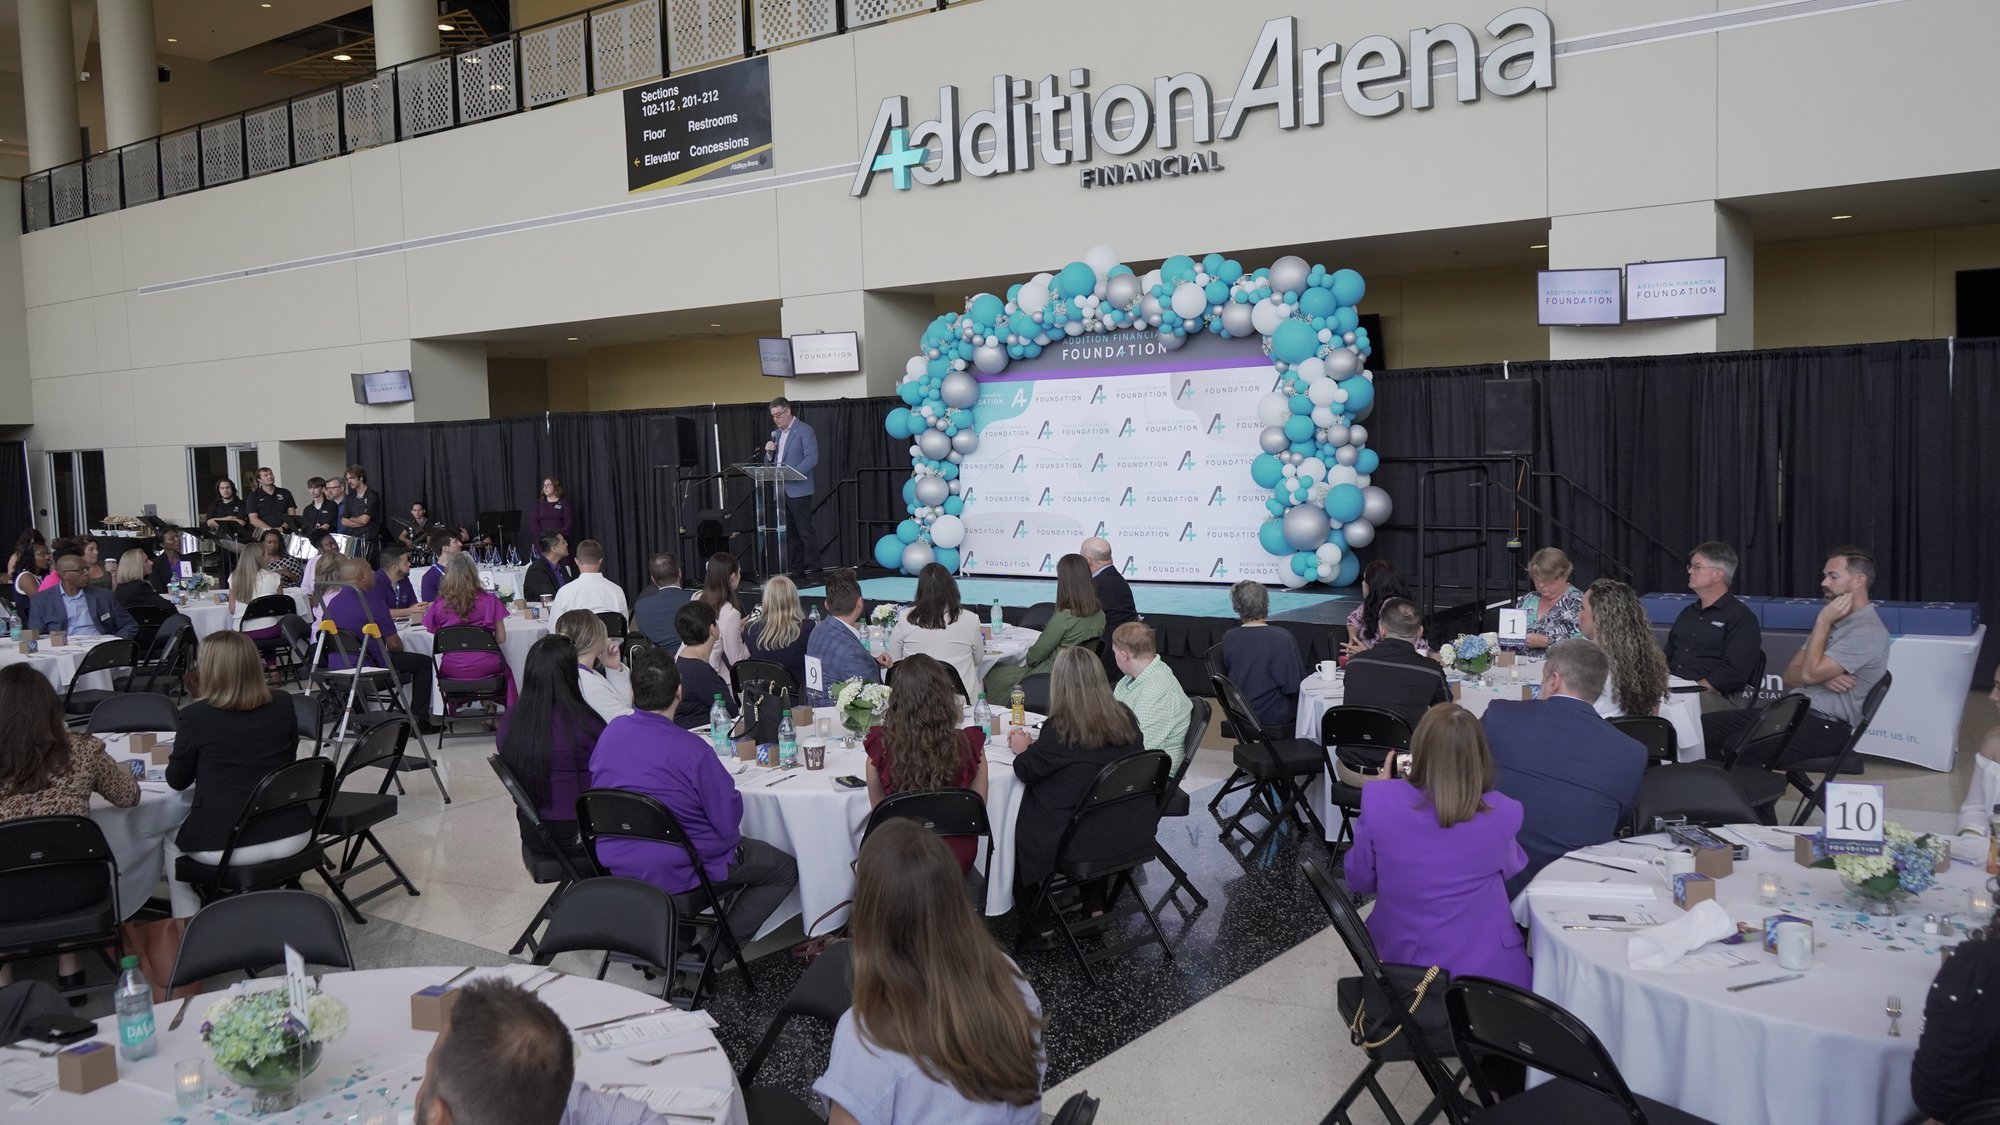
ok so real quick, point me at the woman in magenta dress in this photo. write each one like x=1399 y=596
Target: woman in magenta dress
x=1436 y=851
x=461 y=601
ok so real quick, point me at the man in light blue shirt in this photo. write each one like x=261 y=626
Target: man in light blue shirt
x=77 y=609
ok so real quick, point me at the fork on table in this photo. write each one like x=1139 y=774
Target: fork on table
x=1895 y=1010
x=673 y=1055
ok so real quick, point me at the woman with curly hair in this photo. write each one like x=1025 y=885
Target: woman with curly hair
x=1380 y=584
x=1613 y=617
x=923 y=744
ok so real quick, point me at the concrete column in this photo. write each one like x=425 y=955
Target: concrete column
x=131 y=71
x=404 y=30
x=1658 y=234
x=889 y=323
x=48 y=79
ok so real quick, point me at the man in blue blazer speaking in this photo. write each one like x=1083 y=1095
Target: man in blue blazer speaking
x=77 y=609
x=794 y=443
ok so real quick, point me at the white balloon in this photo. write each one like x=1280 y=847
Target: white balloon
x=948 y=531
x=1323 y=417
x=1328 y=552
x=1273 y=409
x=1358 y=434
x=1100 y=259
x=1265 y=317
x=1340 y=474
x=1072 y=328
x=1034 y=296
x=1291 y=578
x=1150 y=281
x=1311 y=368
x=915 y=368
x=1325 y=572
x=1322 y=392
x=1313 y=469
x=1361 y=480
x=1189 y=300
x=1291 y=471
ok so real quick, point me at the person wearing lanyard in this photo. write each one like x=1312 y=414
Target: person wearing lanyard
x=547 y=573
x=397 y=589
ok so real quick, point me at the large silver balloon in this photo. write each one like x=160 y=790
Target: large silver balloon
x=934 y=444
x=1122 y=291
x=959 y=389
x=1375 y=505
x=917 y=556
x=1273 y=439
x=1149 y=305
x=932 y=490
x=990 y=360
x=1172 y=342
x=1360 y=533
x=1237 y=320
x=964 y=441
x=1305 y=527
x=1289 y=273
x=1341 y=363
x=1337 y=434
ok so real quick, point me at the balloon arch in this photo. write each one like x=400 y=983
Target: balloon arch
x=1312 y=453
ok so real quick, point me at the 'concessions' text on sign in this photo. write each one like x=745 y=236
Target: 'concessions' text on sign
x=700 y=126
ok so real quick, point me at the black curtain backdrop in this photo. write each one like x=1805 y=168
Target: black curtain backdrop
x=16 y=507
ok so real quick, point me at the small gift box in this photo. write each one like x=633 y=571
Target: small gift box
x=430 y=1007
x=86 y=1067
x=1692 y=888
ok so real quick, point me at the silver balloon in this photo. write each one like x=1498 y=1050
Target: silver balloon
x=1122 y=291
x=1149 y=305
x=964 y=441
x=1236 y=319
x=1305 y=527
x=1273 y=440
x=934 y=444
x=989 y=360
x=1375 y=505
x=1337 y=434
x=1172 y=342
x=932 y=490
x=959 y=389
x=917 y=556
x=1289 y=273
x=1341 y=363
x=1359 y=533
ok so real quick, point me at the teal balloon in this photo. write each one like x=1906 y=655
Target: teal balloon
x=911 y=392
x=1299 y=427
x=1345 y=502
x=1023 y=324
x=1305 y=564
x=1267 y=470
x=1275 y=507
x=1350 y=569
x=907 y=532
x=1360 y=394
x=1212 y=264
x=899 y=423
x=1076 y=280
x=1302 y=448
x=1231 y=272
x=1271 y=533
x=947 y=470
x=1348 y=287
x=1294 y=341
x=1318 y=302
x=1301 y=406
x=909 y=498
x=986 y=308
x=954 y=506
x=939 y=368
x=889 y=553
x=1367 y=461
x=1117 y=271
x=1177 y=269
x=1345 y=319
x=1013 y=292
x=946 y=557
x=1216 y=292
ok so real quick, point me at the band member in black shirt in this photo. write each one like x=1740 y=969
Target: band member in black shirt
x=271 y=506
x=228 y=517
x=1716 y=640
x=320 y=513
x=361 y=513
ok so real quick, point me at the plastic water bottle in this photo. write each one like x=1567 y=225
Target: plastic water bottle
x=788 y=742
x=995 y=619
x=814 y=615
x=718 y=727
x=982 y=715
x=1019 y=700
x=134 y=1001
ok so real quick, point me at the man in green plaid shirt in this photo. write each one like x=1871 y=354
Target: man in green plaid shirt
x=1149 y=688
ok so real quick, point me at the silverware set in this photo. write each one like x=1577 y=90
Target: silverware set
x=1894 y=1008
x=673 y=1055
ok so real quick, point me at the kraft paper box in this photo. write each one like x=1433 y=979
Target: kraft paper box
x=1805 y=851
x=1692 y=888
x=1507 y=659
x=1771 y=929
x=86 y=1067
x=746 y=750
x=429 y=1007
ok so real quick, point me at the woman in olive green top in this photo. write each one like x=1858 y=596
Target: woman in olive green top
x=1078 y=618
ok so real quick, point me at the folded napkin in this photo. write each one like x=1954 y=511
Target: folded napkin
x=1659 y=946
x=1617 y=892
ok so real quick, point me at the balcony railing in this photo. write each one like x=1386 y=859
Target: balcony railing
x=589 y=52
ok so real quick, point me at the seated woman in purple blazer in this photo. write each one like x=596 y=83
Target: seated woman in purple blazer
x=1436 y=851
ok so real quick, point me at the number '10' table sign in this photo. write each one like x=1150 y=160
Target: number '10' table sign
x=1853 y=819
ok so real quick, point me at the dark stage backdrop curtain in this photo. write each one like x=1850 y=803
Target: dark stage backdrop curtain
x=16 y=506
x=1963 y=517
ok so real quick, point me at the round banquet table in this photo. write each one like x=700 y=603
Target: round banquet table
x=142 y=837
x=372 y=1073
x=804 y=814
x=58 y=665
x=1812 y=1050
x=522 y=633
x=207 y=616
x=1009 y=646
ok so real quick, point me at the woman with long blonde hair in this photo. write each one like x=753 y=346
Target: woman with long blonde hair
x=943 y=1026
x=1613 y=617
x=781 y=632
x=248 y=582
x=923 y=743
x=236 y=731
x=603 y=679
x=461 y=600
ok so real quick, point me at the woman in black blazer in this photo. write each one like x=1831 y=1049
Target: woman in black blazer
x=235 y=733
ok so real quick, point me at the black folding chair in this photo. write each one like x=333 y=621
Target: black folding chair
x=947 y=812
x=1035 y=692
x=1494 y=1020
x=1421 y=1039
x=150 y=618
x=1269 y=768
x=248 y=934
x=822 y=994
x=1363 y=738
x=630 y=919
x=134 y=713
x=1038 y=616
x=622 y=814
x=1811 y=776
x=488 y=690
x=1750 y=761
x=1698 y=792
x=1657 y=735
x=298 y=635
x=369 y=678
x=547 y=859
x=1080 y=1109
x=306 y=784
x=614 y=624
x=1143 y=776
x=1753 y=688
x=105 y=656
x=777 y=678
x=159 y=646
x=1978 y=1113
x=1176 y=804
x=354 y=816
x=68 y=857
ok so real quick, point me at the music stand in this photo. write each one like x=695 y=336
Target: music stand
x=762 y=474
x=498 y=527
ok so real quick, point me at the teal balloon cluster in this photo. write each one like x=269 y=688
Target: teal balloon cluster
x=1313 y=448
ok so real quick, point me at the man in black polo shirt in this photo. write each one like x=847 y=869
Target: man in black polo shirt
x=1391 y=674
x=321 y=512
x=1717 y=640
x=270 y=506
x=361 y=513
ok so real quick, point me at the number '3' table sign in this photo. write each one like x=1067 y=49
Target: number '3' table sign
x=1853 y=818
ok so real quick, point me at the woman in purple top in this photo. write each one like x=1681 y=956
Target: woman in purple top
x=548 y=734
x=554 y=511
x=461 y=601
x=1436 y=851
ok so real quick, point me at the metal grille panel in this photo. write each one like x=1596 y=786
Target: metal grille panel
x=180 y=162
x=778 y=22
x=35 y=189
x=100 y=175
x=552 y=67
x=140 y=165
x=486 y=82
x=700 y=32
x=860 y=13
x=316 y=126
x=423 y=92
x=369 y=112
x=625 y=45
x=267 y=137
x=222 y=152
x=68 y=181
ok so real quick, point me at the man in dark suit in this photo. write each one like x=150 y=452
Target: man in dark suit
x=77 y=609
x=653 y=613
x=794 y=443
x=1575 y=775
x=549 y=570
x=1113 y=593
x=1392 y=675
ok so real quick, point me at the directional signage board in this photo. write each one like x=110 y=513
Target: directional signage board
x=699 y=126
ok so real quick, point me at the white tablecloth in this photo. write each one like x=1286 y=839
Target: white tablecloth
x=1009 y=646
x=522 y=634
x=1807 y=1051
x=57 y=665
x=142 y=837
x=502 y=580
x=374 y=1070
x=207 y=617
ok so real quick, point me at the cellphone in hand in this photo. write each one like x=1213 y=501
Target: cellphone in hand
x=849 y=781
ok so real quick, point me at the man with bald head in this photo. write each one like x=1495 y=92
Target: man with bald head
x=1112 y=593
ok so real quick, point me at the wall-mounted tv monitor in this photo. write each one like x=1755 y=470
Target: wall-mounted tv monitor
x=774 y=357
x=380 y=388
x=826 y=353
x=1669 y=290
x=1567 y=298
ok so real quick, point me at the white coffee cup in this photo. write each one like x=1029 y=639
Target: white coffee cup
x=1671 y=864
x=1328 y=669
x=1795 y=945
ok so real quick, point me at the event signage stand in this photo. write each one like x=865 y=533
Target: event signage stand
x=770 y=479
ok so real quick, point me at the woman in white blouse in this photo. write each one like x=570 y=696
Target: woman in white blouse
x=718 y=589
x=601 y=675
x=248 y=582
x=939 y=627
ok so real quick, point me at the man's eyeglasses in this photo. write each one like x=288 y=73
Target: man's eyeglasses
x=1692 y=567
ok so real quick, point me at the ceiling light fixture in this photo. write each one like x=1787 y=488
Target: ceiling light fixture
x=1841 y=218
x=171 y=39
x=715 y=326
x=441 y=27
x=1539 y=246
x=343 y=58
x=571 y=339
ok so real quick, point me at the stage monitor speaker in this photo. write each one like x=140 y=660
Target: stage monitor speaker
x=711 y=536
x=1978 y=302
x=1510 y=417
x=686 y=442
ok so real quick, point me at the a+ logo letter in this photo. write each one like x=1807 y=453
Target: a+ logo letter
x=899 y=158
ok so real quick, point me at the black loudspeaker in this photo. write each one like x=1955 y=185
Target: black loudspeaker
x=1510 y=417
x=686 y=442
x=1978 y=303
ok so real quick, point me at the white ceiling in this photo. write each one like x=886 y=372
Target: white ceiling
x=205 y=29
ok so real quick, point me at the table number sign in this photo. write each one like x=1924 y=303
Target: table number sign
x=295 y=987
x=1513 y=628
x=815 y=674
x=1853 y=819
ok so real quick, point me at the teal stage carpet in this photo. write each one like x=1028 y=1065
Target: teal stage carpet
x=1150 y=597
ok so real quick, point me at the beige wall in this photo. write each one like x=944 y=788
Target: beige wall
x=1873 y=287
x=14 y=400
x=516 y=386
x=687 y=372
